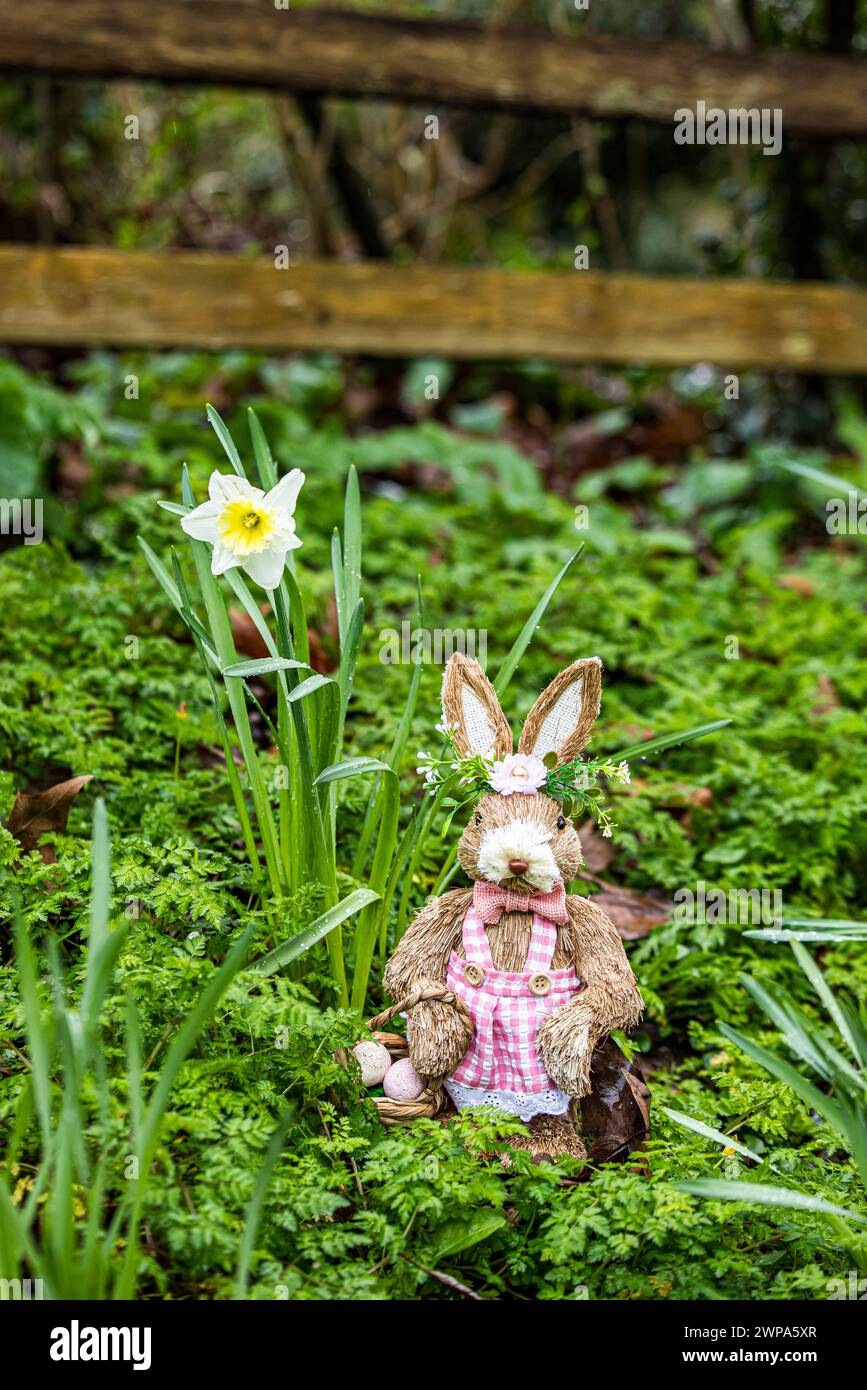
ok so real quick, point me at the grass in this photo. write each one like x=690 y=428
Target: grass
x=836 y=1093
x=72 y=1225
x=184 y=1011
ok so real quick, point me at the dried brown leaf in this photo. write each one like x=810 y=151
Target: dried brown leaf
x=615 y=1116
x=74 y=472
x=799 y=583
x=322 y=658
x=633 y=914
x=827 y=697
x=246 y=636
x=597 y=851
x=35 y=814
x=682 y=794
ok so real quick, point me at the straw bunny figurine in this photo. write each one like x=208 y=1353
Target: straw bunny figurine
x=544 y=975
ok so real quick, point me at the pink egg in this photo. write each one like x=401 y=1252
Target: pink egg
x=402 y=1081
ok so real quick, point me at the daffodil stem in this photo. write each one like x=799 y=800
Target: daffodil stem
x=231 y=769
x=224 y=646
x=375 y=915
x=323 y=849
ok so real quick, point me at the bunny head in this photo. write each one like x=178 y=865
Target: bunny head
x=518 y=836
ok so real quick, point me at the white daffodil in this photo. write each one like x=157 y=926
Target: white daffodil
x=246 y=526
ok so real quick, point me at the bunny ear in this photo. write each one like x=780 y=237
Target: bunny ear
x=563 y=716
x=471 y=707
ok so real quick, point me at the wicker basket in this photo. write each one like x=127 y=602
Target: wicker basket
x=433 y=1101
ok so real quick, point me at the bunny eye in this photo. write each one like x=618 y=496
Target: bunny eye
x=477 y=818
x=561 y=821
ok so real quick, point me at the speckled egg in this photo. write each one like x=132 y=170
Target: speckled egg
x=374 y=1061
x=402 y=1081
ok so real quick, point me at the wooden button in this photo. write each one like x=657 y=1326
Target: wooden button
x=540 y=984
x=474 y=974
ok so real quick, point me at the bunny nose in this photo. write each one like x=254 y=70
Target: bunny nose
x=518 y=866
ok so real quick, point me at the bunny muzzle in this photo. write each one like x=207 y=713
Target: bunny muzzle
x=518 y=855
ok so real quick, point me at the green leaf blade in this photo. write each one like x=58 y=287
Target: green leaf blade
x=351 y=767
x=636 y=751
x=510 y=665
x=766 y=1195
x=297 y=945
x=708 y=1132
x=221 y=430
x=265 y=665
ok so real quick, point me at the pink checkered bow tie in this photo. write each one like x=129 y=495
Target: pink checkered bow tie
x=491 y=902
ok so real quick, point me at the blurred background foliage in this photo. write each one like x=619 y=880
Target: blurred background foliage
x=245 y=172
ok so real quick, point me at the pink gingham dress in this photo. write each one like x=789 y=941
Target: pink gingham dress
x=503 y=1066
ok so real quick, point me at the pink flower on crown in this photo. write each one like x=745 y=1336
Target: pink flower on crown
x=518 y=772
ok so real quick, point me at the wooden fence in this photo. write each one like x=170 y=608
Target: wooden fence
x=94 y=296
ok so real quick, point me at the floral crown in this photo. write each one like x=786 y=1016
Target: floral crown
x=574 y=783
x=477 y=757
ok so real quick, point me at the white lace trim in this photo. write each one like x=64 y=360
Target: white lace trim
x=524 y=1104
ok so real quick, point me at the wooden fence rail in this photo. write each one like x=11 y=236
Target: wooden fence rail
x=95 y=296
x=252 y=43
x=92 y=296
